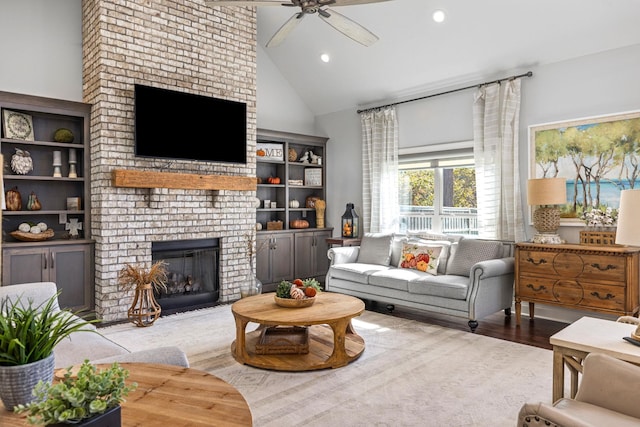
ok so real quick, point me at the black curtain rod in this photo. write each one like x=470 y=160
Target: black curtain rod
x=527 y=74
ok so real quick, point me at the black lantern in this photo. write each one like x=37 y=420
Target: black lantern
x=350 y=224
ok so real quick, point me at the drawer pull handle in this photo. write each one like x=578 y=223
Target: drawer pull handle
x=540 y=288
x=533 y=261
x=608 y=296
x=605 y=268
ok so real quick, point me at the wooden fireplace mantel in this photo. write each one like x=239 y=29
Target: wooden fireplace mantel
x=186 y=181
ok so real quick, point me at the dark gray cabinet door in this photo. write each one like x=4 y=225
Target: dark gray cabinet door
x=68 y=266
x=311 y=254
x=274 y=260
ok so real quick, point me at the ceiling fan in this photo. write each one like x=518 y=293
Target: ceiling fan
x=340 y=22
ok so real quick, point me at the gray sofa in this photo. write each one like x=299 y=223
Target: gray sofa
x=90 y=345
x=466 y=277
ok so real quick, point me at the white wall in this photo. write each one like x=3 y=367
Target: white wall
x=41 y=48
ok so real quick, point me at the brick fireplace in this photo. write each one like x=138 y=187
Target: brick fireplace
x=177 y=45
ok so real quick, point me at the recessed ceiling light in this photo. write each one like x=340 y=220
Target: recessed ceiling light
x=438 y=16
x=325 y=57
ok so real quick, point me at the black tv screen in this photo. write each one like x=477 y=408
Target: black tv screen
x=178 y=125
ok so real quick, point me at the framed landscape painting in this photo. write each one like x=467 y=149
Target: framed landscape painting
x=598 y=156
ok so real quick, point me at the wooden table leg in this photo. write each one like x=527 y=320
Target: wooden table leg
x=558 y=374
x=339 y=355
x=240 y=353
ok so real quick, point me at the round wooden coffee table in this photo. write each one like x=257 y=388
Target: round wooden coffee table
x=332 y=341
x=170 y=395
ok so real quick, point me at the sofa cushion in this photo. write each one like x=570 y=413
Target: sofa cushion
x=356 y=271
x=397 y=243
x=375 y=248
x=420 y=257
x=395 y=278
x=446 y=286
x=470 y=252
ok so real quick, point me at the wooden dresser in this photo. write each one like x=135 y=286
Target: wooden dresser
x=597 y=278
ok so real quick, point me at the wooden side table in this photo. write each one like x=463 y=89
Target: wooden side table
x=170 y=395
x=588 y=335
x=343 y=241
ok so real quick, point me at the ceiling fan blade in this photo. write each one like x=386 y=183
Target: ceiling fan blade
x=355 y=2
x=284 y=31
x=348 y=27
x=245 y=3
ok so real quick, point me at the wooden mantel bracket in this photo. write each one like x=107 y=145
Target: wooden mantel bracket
x=185 y=181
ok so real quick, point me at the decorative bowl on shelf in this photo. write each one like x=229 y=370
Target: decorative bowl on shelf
x=294 y=303
x=32 y=237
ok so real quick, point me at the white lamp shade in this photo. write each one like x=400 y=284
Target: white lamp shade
x=628 y=231
x=546 y=191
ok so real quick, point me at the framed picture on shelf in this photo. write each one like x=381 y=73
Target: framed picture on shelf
x=17 y=125
x=313 y=177
x=597 y=156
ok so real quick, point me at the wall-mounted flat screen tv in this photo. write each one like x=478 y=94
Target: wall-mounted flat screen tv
x=178 y=125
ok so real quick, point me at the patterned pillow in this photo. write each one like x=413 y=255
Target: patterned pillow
x=470 y=252
x=420 y=257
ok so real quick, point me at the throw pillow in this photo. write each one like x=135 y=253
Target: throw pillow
x=470 y=252
x=375 y=248
x=444 y=254
x=422 y=258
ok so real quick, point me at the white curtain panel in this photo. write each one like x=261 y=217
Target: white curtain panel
x=380 y=210
x=496 y=113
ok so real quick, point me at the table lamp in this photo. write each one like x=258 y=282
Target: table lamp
x=547 y=194
x=628 y=229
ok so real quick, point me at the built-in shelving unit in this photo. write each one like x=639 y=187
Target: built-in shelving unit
x=67 y=257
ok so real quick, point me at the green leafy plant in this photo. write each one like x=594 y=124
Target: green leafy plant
x=77 y=396
x=29 y=332
x=283 y=289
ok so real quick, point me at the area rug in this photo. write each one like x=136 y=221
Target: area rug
x=410 y=374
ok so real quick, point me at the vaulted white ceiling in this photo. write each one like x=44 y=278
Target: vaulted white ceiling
x=479 y=39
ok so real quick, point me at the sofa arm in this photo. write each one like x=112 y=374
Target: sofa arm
x=170 y=355
x=493 y=268
x=343 y=254
x=610 y=383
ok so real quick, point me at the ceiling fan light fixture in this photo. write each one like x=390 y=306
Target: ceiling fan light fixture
x=439 y=16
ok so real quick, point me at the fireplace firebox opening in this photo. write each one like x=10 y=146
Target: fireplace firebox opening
x=192 y=273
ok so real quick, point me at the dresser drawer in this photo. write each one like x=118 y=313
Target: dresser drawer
x=579 y=294
x=603 y=297
x=534 y=262
x=531 y=288
x=604 y=268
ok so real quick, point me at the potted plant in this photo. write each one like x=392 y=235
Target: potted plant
x=145 y=309
x=28 y=334
x=88 y=397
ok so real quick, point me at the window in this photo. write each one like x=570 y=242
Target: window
x=438 y=191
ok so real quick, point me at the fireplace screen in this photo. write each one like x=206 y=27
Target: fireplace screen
x=192 y=272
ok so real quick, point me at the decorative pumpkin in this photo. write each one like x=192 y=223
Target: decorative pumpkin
x=33 y=204
x=294 y=204
x=273 y=180
x=261 y=153
x=299 y=223
x=13 y=200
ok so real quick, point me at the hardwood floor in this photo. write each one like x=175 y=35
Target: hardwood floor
x=534 y=332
